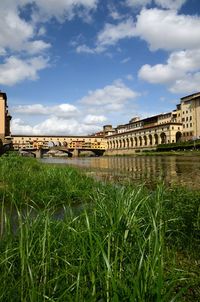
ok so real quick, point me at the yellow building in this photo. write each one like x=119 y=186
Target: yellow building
x=181 y=124
x=4 y=119
x=71 y=142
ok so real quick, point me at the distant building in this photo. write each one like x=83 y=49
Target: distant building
x=4 y=118
x=71 y=142
x=181 y=124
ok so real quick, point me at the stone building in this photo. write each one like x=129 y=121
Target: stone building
x=4 y=119
x=181 y=124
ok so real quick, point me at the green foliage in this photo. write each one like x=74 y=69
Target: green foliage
x=122 y=243
x=188 y=145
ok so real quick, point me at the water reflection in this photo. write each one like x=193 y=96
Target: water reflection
x=184 y=170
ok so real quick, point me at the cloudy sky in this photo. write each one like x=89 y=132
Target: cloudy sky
x=71 y=66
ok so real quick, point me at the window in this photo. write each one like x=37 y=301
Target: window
x=190 y=124
x=190 y=118
x=187 y=118
x=183 y=119
x=186 y=125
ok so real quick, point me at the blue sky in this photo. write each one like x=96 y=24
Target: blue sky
x=70 y=66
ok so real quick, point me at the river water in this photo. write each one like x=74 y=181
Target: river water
x=172 y=169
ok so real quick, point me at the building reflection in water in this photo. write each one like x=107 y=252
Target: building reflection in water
x=150 y=169
x=181 y=170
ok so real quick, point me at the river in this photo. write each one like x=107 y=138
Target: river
x=182 y=170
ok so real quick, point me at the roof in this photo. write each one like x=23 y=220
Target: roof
x=3 y=94
x=194 y=95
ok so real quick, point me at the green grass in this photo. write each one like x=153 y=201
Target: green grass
x=114 y=242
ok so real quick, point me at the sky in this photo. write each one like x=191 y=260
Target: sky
x=69 y=67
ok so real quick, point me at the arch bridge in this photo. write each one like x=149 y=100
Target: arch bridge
x=72 y=145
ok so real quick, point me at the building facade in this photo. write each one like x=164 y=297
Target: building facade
x=4 y=119
x=181 y=124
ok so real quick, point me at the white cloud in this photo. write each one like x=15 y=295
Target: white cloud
x=18 y=34
x=84 y=48
x=181 y=69
x=161 y=29
x=110 y=35
x=188 y=84
x=165 y=29
x=171 y=4
x=125 y=60
x=64 y=9
x=53 y=126
x=63 y=110
x=15 y=70
x=129 y=77
x=37 y=46
x=114 y=13
x=110 y=98
x=168 y=4
x=94 y=119
x=19 y=127
x=137 y=3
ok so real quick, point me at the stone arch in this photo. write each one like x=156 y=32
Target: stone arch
x=145 y=140
x=120 y=143
x=136 y=142
x=178 y=136
x=156 y=138
x=131 y=142
x=163 y=137
x=150 y=140
x=117 y=144
x=124 y=143
x=127 y=143
x=113 y=144
x=140 y=140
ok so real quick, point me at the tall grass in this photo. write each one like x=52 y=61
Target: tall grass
x=125 y=244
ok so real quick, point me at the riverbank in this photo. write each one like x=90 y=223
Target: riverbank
x=158 y=153
x=114 y=242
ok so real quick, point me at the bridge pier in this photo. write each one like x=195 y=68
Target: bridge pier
x=76 y=153
x=38 y=153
